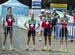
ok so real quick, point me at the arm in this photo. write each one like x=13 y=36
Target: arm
x=25 y=25
x=13 y=19
x=3 y=23
x=64 y=22
x=40 y=17
x=38 y=26
x=58 y=17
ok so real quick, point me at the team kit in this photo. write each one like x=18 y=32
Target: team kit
x=46 y=27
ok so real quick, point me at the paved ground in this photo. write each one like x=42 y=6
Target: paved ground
x=20 y=39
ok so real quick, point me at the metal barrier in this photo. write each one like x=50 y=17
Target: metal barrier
x=71 y=31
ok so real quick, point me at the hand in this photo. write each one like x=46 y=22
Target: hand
x=28 y=28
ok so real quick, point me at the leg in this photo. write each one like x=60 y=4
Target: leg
x=45 y=39
x=41 y=33
x=28 y=40
x=54 y=32
x=66 y=38
x=11 y=35
x=49 y=38
x=66 y=41
x=45 y=47
x=33 y=36
x=27 y=46
x=49 y=35
x=61 y=41
x=66 y=49
x=5 y=37
x=29 y=36
x=33 y=39
x=11 y=38
x=61 y=36
x=45 y=36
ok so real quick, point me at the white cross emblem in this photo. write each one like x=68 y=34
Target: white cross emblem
x=9 y=19
x=64 y=20
x=32 y=25
x=47 y=22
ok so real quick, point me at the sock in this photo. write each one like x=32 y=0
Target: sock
x=66 y=46
x=33 y=46
x=45 y=46
x=61 y=46
x=49 y=46
x=39 y=38
x=3 y=46
x=11 y=46
x=27 y=46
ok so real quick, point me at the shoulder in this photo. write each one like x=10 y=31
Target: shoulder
x=28 y=20
x=34 y=21
x=62 y=18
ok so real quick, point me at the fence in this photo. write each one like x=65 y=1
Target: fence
x=71 y=31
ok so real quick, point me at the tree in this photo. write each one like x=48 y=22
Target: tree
x=2 y=1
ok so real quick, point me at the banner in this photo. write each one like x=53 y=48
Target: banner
x=36 y=3
x=58 y=5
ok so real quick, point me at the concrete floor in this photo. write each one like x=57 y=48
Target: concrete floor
x=20 y=39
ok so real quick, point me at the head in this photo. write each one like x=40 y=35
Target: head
x=50 y=14
x=9 y=10
x=42 y=12
x=47 y=14
x=73 y=13
x=54 y=11
x=64 y=13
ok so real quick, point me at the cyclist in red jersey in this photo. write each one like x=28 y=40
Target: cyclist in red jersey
x=47 y=31
x=31 y=31
x=73 y=16
x=8 y=28
x=42 y=18
x=64 y=31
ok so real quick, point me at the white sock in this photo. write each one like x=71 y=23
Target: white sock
x=45 y=46
x=61 y=46
x=3 y=46
x=27 y=46
x=49 y=46
x=66 y=46
x=39 y=38
x=11 y=46
x=33 y=46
